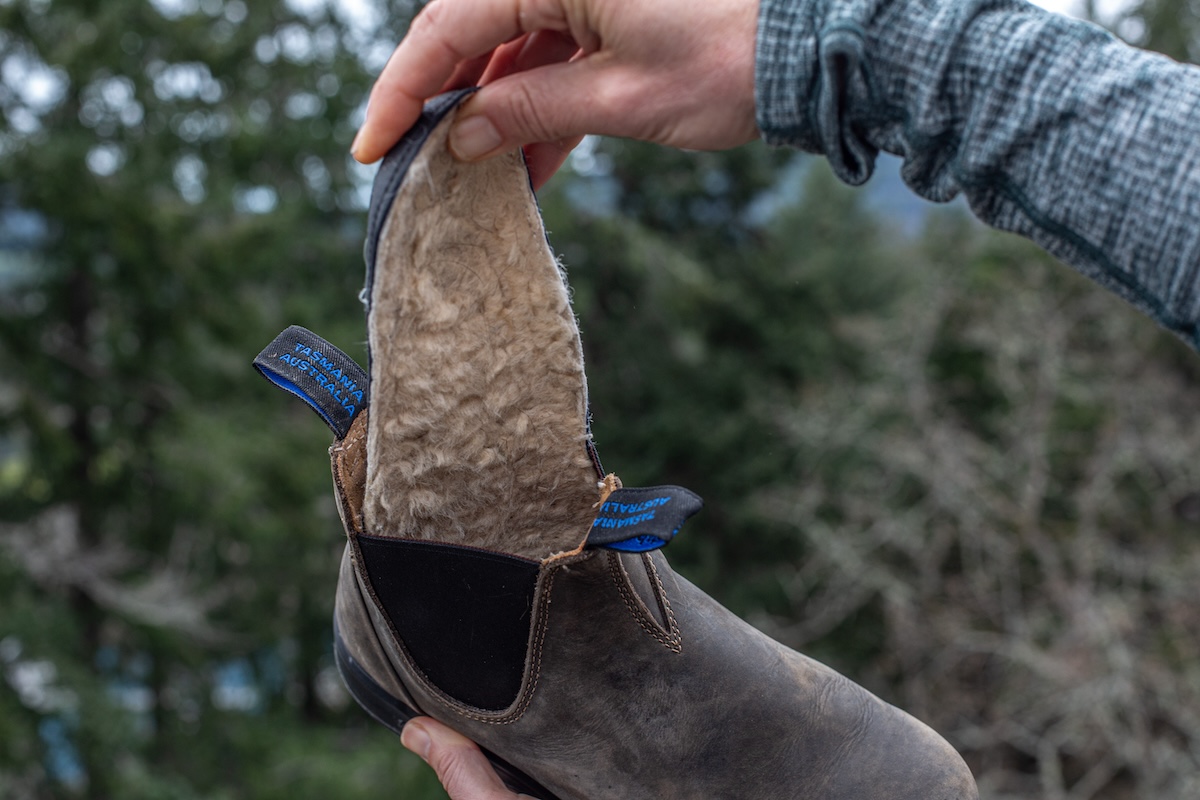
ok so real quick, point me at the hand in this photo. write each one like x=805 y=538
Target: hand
x=461 y=767
x=676 y=72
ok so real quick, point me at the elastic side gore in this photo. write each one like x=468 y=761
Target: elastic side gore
x=463 y=615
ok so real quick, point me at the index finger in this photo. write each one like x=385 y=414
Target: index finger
x=443 y=35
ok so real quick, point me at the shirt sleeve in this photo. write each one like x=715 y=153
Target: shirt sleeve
x=1050 y=127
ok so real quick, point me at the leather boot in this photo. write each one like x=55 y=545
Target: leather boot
x=495 y=580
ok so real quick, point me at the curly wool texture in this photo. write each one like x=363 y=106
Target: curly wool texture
x=478 y=411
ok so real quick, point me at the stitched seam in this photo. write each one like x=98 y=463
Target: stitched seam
x=669 y=612
x=636 y=612
x=1137 y=290
x=460 y=708
x=643 y=619
x=535 y=655
x=1009 y=190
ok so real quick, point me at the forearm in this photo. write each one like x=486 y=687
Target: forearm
x=1050 y=127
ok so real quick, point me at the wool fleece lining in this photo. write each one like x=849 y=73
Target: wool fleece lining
x=478 y=415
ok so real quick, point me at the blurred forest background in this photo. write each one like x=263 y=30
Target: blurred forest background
x=931 y=456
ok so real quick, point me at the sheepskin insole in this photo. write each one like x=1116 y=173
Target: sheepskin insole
x=478 y=406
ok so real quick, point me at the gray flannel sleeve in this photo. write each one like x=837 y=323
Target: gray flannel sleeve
x=1050 y=127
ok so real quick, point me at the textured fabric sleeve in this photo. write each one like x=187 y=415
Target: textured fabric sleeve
x=1050 y=127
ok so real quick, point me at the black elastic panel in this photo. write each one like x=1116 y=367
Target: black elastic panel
x=464 y=615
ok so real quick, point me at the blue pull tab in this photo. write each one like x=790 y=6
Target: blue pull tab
x=304 y=364
x=638 y=520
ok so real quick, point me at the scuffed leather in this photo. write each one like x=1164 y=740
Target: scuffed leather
x=637 y=684
x=613 y=713
x=354 y=625
x=348 y=460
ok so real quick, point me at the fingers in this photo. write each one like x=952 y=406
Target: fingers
x=555 y=103
x=468 y=73
x=674 y=72
x=544 y=159
x=461 y=767
x=442 y=37
x=532 y=50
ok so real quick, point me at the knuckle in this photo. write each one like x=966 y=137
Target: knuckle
x=434 y=23
x=427 y=19
x=527 y=114
x=455 y=769
x=465 y=774
x=541 y=15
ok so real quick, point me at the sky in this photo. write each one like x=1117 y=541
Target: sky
x=1106 y=8
x=1061 y=6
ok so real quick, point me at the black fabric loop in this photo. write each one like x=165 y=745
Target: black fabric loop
x=637 y=520
x=305 y=365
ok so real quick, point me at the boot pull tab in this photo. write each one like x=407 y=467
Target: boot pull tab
x=639 y=520
x=305 y=365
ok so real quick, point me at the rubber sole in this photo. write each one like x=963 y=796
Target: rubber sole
x=393 y=714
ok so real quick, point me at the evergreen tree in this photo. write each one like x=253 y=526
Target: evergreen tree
x=175 y=188
x=697 y=318
x=1171 y=27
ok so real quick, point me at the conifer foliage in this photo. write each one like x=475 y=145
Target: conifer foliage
x=174 y=190
x=939 y=462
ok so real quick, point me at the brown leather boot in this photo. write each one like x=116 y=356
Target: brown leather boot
x=496 y=581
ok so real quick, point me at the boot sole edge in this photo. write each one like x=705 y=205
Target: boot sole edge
x=393 y=714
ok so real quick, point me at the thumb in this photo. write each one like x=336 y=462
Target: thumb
x=551 y=104
x=461 y=767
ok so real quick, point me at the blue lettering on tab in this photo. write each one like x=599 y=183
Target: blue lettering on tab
x=637 y=520
x=329 y=381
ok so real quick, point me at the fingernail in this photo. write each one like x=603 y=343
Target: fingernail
x=474 y=137
x=416 y=739
x=357 y=140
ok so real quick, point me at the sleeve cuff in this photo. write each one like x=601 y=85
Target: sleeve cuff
x=785 y=72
